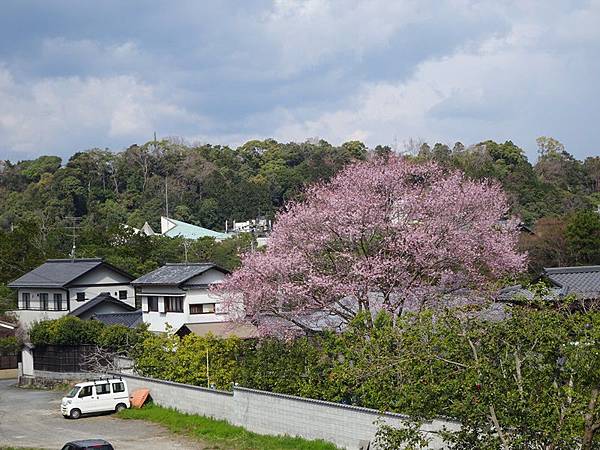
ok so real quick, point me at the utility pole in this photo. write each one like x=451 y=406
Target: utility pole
x=73 y=233
x=167 y=197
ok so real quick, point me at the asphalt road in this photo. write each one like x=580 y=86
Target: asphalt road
x=32 y=418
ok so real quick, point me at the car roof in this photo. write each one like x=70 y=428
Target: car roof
x=89 y=442
x=99 y=381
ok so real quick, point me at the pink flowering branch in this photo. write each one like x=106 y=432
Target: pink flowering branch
x=380 y=235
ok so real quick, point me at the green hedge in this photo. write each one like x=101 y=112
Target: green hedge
x=9 y=345
x=69 y=330
x=538 y=369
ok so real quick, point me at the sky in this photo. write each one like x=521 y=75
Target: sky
x=76 y=75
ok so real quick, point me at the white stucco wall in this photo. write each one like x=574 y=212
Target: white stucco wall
x=99 y=280
x=26 y=318
x=101 y=275
x=93 y=291
x=209 y=277
x=158 y=320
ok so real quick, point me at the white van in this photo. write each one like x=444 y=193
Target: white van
x=108 y=394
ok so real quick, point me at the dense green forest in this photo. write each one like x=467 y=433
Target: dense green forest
x=558 y=197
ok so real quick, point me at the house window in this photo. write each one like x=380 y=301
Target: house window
x=122 y=295
x=58 y=302
x=138 y=302
x=205 y=308
x=44 y=302
x=152 y=303
x=26 y=297
x=173 y=304
x=102 y=389
x=81 y=296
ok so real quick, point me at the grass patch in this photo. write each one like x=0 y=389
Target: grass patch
x=219 y=432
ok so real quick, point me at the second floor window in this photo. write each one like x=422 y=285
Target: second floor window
x=26 y=297
x=173 y=304
x=58 y=302
x=122 y=295
x=44 y=302
x=152 y=303
x=205 y=308
x=80 y=296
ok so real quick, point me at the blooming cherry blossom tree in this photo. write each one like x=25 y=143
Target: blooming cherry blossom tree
x=383 y=234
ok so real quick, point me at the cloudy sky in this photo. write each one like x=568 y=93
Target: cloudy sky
x=76 y=74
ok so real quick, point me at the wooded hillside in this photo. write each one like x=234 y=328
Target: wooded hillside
x=558 y=197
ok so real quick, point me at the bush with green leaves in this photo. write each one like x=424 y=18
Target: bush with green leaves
x=202 y=361
x=528 y=381
x=9 y=345
x=69 y=330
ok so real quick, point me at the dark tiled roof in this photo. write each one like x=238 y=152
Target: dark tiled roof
x=174 y=274
x=105 y=297
x=59 y=273
x=56 y=272
x=129 y=319
x=584 y=281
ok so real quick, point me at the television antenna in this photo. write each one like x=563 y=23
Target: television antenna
x=75 y=225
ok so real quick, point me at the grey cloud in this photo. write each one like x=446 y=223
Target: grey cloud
x=224 y=71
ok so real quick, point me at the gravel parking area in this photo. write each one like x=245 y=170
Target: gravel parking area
x=32 y=418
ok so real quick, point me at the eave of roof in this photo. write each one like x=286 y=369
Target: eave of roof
x=571 y=269
x=42 y=277
x=100 y=298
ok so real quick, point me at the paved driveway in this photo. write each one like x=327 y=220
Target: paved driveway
x=32 y=418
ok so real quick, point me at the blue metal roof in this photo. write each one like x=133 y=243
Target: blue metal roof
x=189 y=231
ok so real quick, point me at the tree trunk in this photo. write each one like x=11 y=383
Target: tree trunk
x=590 y=427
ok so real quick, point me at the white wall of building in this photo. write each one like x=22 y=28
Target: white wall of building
x=158 y=320
x=26 y=318
x=92 y=284
x=209 y=277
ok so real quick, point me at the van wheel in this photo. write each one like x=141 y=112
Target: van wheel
x=120 y=407
x=75 y=413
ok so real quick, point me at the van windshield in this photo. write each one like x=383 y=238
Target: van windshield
x=73 y=392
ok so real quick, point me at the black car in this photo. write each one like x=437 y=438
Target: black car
x=96 y=444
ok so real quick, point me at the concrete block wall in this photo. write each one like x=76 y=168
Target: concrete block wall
x=184 y=397
x=277 y=414
x=346 y=426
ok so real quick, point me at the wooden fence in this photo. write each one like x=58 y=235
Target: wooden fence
x=9 y=361
x=62 y=358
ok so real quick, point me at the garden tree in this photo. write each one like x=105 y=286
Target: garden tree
x=547 y=246
x=529 y=379
x=583 y=237
x=383 y=234
x=203 y=361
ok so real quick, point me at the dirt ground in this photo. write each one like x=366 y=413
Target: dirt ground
x=32 y=418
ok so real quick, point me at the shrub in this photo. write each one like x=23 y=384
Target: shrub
x=67 y=330
x=9 y=345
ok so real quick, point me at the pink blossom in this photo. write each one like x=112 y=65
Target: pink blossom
x=404 y=231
